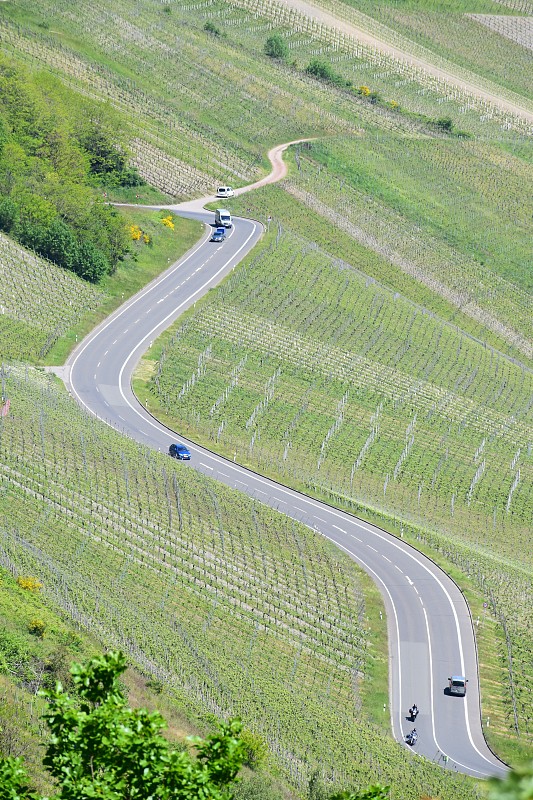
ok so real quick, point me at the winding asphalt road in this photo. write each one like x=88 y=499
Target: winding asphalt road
x=429 y=626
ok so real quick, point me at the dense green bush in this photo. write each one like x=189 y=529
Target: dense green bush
x=56 y=151
x=276 y=47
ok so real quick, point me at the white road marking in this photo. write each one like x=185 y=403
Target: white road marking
x=416 y=557
x=372 y=548
x=355 y=537
x=387 y=559
x=207 y=466
x=339 y=529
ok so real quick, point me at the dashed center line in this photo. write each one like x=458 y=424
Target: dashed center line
x=386 y=559
x=356 y=537
x=339 y=529
x=372 y=548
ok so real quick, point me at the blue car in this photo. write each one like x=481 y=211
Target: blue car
x=180 y=452
x=218 y=235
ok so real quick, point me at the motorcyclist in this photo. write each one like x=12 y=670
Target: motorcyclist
x=413 y=711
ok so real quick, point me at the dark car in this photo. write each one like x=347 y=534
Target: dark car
x=218 y=235
x=180 y=452
x=457 y=685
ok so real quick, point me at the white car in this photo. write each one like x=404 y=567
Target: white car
x=225 y=191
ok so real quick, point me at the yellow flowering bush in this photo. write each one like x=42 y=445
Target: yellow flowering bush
x=168 y=221
x=37 y=628
x=365 y=91
x=146 y=238
x=135 y=232
x=29 y=583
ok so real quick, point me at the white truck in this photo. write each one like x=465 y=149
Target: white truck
x=223 y=218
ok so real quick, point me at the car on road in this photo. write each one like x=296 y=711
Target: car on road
x=223 y=218
x=225 y=191
x=180 y=452
x=457 y=685
x=218 y=235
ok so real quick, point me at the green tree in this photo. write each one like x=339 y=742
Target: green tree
x=90 y=263
x=101 y=748
x=255 y=748
x=276 y=47
x=8 y=214
x=445 y=124
x=59 y=245
x=324 y=71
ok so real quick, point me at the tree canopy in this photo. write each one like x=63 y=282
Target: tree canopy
x=57 y=150
x=99 y=747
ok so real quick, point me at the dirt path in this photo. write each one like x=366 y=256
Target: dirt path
x=329 y=19
x=278 y=172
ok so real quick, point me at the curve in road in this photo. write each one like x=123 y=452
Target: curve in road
x=429 y=625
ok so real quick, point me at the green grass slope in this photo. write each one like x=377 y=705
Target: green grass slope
x=235 y=608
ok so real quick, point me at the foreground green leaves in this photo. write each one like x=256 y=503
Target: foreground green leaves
x=101 y=748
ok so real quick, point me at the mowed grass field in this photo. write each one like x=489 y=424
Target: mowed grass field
x=235 y=608
x=376 y=351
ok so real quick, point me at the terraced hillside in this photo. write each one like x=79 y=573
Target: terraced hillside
x=383 y=356
x=236 y=609
x=29 y=329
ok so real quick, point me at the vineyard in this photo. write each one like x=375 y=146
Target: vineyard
x=334 y=384
x=382 y=359
x=474 y=253
x=235 y=608
x=199 y=120
x=29 y=330
x=452 y=33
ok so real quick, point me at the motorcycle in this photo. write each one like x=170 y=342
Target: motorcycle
x=412 y=737
x=413 y=712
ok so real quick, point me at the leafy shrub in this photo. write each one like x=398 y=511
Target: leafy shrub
x=256 y=749
x=323 y=70
x=445 y=124
x=29 y=583
x=37 y=627
x=276 y=47
x=8 y=214
x=210 y=27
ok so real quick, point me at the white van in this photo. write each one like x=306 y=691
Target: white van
x=223 y=218
x=225 y=191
